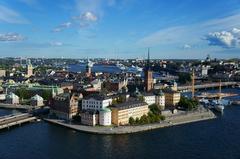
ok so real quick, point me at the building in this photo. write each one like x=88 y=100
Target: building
x=29 y=69
x=2 y=73
x=105 y=117
x=97 y=84
x=122 y=112
x=65 y=106
x=89 y=117
x=160 y=99
x=149 y=98
x=96 y=102
x=148 y=76
x=36 y=101
x=117 y=84
x=12 y=98
x=89 y=68
x=171 y=97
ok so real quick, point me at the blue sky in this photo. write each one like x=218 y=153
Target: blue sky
x=120 y=28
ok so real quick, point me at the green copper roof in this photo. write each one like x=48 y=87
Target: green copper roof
x=105 y=110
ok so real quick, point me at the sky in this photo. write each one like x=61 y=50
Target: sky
x=172 y=29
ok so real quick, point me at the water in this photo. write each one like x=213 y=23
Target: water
x=218 y=138
x=102 y=68
x=95 y=68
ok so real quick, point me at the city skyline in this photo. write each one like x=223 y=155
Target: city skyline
x=119 y=28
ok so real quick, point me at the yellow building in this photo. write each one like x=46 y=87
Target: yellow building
x=171 y=98
x=122 y=112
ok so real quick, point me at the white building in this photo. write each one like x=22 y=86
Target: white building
x=37 y=100
x=12 y=98
x=97 y=84
x=96 y=102
x=160 y=100
x=105 y=117
x=149 y=98
x=204 y=71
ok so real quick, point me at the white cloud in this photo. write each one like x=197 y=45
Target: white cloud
x=11 y=37
x=226 y=39
x=10 y=16
x=62 y=26
x=189 y=33
x=56 y=43
x=87 y=17
x=187 y=46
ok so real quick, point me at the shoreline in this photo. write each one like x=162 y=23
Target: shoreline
x=170 y=121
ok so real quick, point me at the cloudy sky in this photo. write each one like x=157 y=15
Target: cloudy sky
x=120 y=28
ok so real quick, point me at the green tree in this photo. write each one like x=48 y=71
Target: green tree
x=155 y=109
x=188 y=104
x=131 y=121
x=183 y=78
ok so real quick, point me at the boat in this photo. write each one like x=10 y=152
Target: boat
x=218 y=106
x=121 y=66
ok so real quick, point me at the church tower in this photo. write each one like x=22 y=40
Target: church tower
x=89 y=68
x=148 y=79
x=29 y=67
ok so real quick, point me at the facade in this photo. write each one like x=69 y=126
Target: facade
x=12 y=99
x=149 y=98
x=122 y=112
x=89 y=117
x=2 y=73
x=96 y=102
x=117 y=85
x=160 y=100
x=172 y=98
x=37 y=101
x=65 y=105
x=105 y=117
x=29 y=69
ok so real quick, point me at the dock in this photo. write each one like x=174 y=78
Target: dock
x=216 y=95
x=15 y=119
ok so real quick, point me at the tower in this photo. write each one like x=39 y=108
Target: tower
x=89 y=68
x=29 y=67
x=148 y=80
x=193 y=84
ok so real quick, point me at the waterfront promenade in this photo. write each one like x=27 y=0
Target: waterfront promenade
x=170 y=121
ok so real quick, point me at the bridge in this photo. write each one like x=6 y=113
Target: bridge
x=207 y=85
x=14 y=106
x=15 y=119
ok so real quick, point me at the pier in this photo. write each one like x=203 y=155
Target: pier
x=15 y=119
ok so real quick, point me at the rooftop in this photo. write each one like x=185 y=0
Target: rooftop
x=129 y=104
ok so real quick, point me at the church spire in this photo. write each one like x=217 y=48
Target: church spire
x=148 y=61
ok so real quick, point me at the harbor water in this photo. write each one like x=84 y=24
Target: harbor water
x=217 y=138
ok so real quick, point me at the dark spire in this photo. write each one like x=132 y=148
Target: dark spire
x=148 y=61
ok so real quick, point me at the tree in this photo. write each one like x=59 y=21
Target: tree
x=183 y=78
x=154 y=108
x=131 y=121
x=188 y=104
x=137 y=121
x=144 y=119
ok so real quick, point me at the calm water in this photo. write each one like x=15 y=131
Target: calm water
x=218 y=138
x=96 y=68
x=102 y=68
